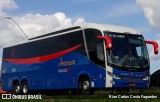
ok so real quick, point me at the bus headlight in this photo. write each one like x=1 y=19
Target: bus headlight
x=113 y=75
x=146 y=78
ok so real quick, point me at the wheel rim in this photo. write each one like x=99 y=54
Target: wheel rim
x=85 y=85
x=17 y=88
x=25 y=89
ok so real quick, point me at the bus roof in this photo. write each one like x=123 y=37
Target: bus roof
x=110 y=28
x=101 y=27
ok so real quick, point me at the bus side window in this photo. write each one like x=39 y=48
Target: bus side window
x=95 y=46
x=100 y=51
x=97 y=54
x=100 y=54
x=92 y=53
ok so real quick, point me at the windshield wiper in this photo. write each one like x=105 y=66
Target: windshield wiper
x=138 y=61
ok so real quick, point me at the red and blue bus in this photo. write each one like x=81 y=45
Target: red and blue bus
x=80 y=58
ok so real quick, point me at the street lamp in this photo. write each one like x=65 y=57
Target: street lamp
x=17 y=26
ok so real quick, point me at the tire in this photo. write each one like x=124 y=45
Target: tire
x=158 y=83
x=84 y=85
x=16 y=88
x=24 y=88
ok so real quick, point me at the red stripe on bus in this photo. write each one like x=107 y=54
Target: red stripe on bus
x=42 y=58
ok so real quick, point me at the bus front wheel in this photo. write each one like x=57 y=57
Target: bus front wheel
x=84 y=86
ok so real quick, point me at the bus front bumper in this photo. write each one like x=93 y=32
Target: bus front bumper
x=142 y=84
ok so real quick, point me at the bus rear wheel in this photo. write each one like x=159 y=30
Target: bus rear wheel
x=16 y=88
x=24 y=88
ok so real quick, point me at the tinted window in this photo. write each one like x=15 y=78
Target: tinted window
x=95 y=46
x=128 y=52
x=48 y=46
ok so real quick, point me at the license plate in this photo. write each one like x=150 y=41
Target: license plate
x=132 y=84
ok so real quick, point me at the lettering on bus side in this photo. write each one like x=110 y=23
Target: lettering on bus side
x=66 y=63
x=63 y=70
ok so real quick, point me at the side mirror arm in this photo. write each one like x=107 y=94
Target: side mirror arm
x=108 y=41
x=155 y=45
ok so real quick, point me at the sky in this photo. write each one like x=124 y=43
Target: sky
x=38 y=17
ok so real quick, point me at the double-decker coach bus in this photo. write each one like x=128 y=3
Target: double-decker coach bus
x=81 y=59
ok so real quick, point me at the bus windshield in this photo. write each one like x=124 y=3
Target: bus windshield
x=128 y=51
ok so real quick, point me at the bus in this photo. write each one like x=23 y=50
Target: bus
x=80 y=59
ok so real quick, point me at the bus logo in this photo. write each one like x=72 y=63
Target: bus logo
x=66 y=63
x=6 y=96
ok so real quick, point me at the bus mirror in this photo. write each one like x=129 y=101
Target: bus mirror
x=155 y=45
x=108 y=41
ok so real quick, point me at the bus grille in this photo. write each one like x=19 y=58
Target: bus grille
x=133 y=79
